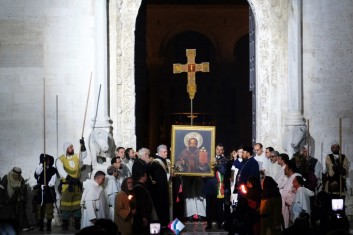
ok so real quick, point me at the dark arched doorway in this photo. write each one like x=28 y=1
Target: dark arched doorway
x=222 y=99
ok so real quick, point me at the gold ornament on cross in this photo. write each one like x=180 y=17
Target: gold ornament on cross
x=191 y=68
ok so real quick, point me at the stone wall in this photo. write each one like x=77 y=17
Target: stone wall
x=55 y=40
x=51 y=41
x=327 y=73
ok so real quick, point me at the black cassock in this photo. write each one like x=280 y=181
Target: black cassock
x=159 y=189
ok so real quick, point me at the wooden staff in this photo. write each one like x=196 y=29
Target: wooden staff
x=84 y=118
x=340 y=136
x=44 y=158
x=57 y=125
x=308 y=136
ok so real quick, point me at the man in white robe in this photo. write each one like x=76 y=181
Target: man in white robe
x=287 y=193
x=281 y=178
x=261 y=158
x=111 y=189
x=274 y=168
x=93 y=201
x=301 y=202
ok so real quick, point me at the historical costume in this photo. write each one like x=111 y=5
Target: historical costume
x=69 y=167
x=46 y=195
x=336 y=167
x=13 y=198
x=94 y=203
x=125 y=207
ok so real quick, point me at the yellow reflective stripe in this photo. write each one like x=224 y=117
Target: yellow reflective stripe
x=75 y=203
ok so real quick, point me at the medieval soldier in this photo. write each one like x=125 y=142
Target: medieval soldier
x=46 y=176
x=13 y=198
x=69 y=168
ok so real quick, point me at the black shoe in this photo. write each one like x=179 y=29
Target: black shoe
x=190 y=219
x=208 y=227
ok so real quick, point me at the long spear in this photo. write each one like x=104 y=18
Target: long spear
x=84 y=118
x=44 y=158
x=340 y=135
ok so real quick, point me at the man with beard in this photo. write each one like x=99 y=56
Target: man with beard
x=69 y=168
x=159 y=191
x=195 y=204
x=45 y=175
x=336 y=167
x=249 y=168
x=13 y=198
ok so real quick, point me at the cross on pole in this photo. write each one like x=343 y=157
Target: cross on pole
x=191 y=68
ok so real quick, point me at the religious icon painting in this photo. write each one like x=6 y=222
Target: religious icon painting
x=193 y=150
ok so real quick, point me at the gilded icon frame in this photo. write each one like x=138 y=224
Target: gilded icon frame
x=189 y=161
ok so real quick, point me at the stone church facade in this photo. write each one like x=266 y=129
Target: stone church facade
x=48 y=51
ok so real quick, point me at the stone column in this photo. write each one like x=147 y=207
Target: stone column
x=101 y=118
x=294 y=116
x=295 y=128
x=101 y=142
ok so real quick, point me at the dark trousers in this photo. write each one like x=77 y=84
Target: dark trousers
x=217 y=203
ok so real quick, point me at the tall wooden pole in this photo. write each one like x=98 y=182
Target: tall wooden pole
x=308 y=136
x=44 y=130
x=57 y=125
x=340 y=136
x=84 y=118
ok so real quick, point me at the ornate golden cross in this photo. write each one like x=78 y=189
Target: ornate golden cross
x=191 y=68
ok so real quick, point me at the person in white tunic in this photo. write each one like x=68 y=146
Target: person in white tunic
x=287 y=193
x=111 y=189
x=281 y=178
x=301 y=202
x=274 y=167
x=261 y=158
x=93 y=201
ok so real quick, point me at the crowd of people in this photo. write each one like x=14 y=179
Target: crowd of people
x=253 y=191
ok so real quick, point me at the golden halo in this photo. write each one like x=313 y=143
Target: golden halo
x=195 y=135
